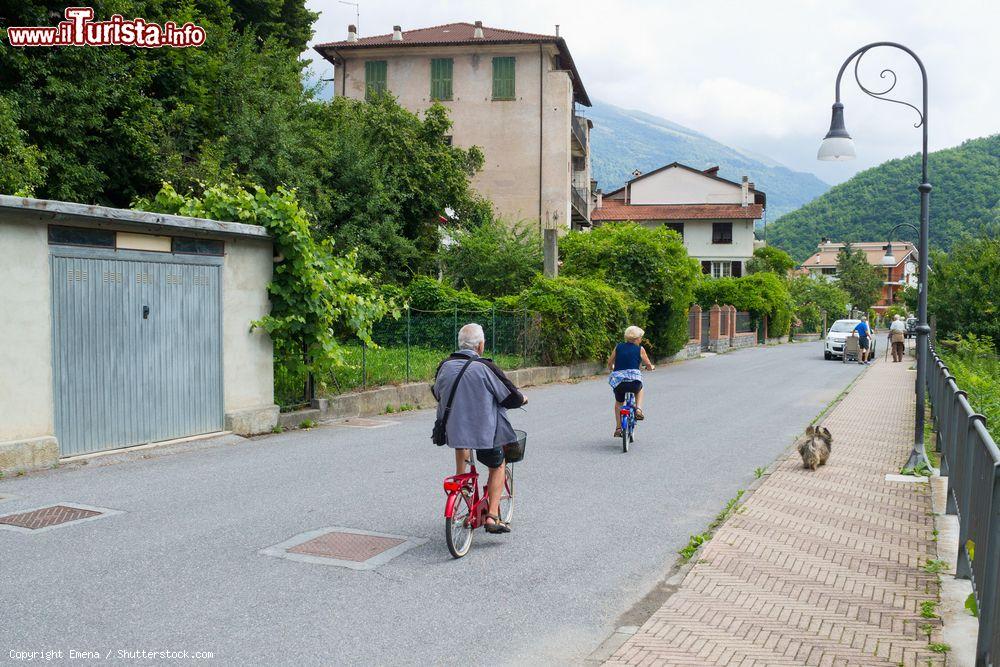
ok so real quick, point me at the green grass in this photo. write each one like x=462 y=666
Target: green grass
x=934 y=566
x=759 y=472
x=927 y=609
x=938 y=647
x=979 y=375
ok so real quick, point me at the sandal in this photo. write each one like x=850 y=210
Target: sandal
x=618 y=432
x=497 y=526
x=638 y=414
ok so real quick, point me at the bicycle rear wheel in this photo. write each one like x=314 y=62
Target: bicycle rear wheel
x=457 y=528
x=507 y=499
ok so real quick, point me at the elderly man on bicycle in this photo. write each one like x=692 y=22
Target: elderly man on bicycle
x=480 y=395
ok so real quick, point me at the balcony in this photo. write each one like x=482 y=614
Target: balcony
x=578 y=126
x=579 y=198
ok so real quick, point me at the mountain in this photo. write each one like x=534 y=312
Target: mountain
x=624 y=140
x=965 y=199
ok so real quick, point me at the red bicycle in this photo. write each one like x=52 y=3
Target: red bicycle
x=465 y=509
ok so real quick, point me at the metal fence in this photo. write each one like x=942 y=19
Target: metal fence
x=744 y=322
x=971 y=460
x=409 y=349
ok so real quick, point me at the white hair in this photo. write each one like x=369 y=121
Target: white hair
x=896 y=318
x=634 y=333
x=470 y=336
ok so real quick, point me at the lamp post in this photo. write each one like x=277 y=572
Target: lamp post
x=838 y=145
x=889 y=260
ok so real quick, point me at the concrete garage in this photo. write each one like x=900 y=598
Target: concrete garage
x=121 y=328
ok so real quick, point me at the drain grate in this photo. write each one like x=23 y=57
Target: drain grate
x=361 y=422
x=344 y=547
x=51 y=516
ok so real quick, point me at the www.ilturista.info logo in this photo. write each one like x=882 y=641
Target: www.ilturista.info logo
x=79 y=29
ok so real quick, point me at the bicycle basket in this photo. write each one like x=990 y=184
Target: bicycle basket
x=514 y=452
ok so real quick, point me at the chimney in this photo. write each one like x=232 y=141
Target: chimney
x=712 y=171
x=397 y=33
x=557 y=30
x=600 y=198
x=352 y=33
x=745 y=188
x=478 y=32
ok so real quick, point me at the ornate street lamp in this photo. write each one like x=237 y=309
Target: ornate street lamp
x=838 y=145
x=889 y=260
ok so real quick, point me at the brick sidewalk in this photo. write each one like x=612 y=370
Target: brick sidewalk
x=815 y=568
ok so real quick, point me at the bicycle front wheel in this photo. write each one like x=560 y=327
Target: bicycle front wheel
x=507 y=499
x=625 y=435
x=458 y=527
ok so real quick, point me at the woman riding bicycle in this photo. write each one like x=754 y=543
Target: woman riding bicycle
x=626 y=375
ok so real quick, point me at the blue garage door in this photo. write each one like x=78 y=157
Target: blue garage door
x=137 y=349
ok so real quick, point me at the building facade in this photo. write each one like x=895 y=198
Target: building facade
x=513 y=94
x=715 y=216
x=898 y=277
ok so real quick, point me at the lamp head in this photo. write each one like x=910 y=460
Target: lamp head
x=889 y=259
x=837 y=144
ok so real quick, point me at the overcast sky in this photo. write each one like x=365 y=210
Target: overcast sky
x=754 y=75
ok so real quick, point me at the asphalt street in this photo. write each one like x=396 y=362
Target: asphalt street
x=594 y=529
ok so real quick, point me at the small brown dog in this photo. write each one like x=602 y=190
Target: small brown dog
x=815 y=447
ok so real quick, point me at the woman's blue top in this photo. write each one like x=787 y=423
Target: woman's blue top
x=627 y=356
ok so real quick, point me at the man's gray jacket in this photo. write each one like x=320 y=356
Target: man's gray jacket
x=478 y=417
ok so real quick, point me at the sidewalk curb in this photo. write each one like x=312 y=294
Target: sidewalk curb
x=627 y=623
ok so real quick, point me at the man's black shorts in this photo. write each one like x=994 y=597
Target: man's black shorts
x=628 y=386
x=863 y=342
x=491 y=458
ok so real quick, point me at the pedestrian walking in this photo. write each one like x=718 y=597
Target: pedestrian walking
x=864 y=331
x=897 y=338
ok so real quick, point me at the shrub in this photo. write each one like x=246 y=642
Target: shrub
x=494 y=259
x=426 y=293
x=580 y=318
x=976 y=368
x=769 y=258
x=811 y=295
x=964 y=292
x=650 y=264
x=761 y=294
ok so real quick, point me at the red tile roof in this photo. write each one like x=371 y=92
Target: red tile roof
x=826 y=256
x=454 y=34
x=613 y=211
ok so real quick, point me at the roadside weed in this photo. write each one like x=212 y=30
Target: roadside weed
x=934 y=566
x=927 y=609
x=307 y=423
x=759 y=472
x=971 y=606
x=938 y=647
x=277 y=428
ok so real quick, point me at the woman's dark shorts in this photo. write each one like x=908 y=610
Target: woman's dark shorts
x=626 y=387
x=491 y=458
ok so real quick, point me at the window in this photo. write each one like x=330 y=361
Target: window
x=448 y=140
x=722 y=232
x=101 y=238
x=189 y=246
x=722 y=269
x=375 y=76
x=677 y=227
x=829 y=270
x=441 y=78
x=503 y=78
x=737 y=269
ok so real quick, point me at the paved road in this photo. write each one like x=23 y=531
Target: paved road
x=594 y=529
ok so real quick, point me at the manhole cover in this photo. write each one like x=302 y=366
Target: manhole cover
x=344 y=547
x=361 y=422
x=51 y=516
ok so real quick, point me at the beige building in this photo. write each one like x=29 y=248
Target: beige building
x=900 y=275
x=513 y=94
x=715 y=216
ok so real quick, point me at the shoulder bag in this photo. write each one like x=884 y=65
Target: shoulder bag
x=439 y=436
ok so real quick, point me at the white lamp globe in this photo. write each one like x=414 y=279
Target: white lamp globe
x=836 y=149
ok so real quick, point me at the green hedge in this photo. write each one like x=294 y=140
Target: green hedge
x=426 y=293
x=760 y=294
x=650 y=264
x=581 y=319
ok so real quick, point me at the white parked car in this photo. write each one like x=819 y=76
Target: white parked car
x=834 y=346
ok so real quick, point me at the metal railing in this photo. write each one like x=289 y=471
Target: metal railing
x=408 y=350
x=578 y=125
x=578 y=197
x=744 y=322
x=971 y=460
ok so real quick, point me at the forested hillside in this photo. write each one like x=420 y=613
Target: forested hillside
x=965 y=199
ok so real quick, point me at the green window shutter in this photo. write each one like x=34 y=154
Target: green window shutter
x=441 y=69
x=375 y=75
x=503 y=78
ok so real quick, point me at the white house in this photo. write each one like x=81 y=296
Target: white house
x=714 y=215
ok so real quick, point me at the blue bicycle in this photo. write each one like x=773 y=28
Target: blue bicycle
x=627 y=417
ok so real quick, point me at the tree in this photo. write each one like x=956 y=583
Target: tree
x=761 y=294
x=814 y=295
x=20 y=163
x=315 y=294
x=494 y=259
x=862 y=281
x=964 y=291
x=649 y=264
x=769 y=258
